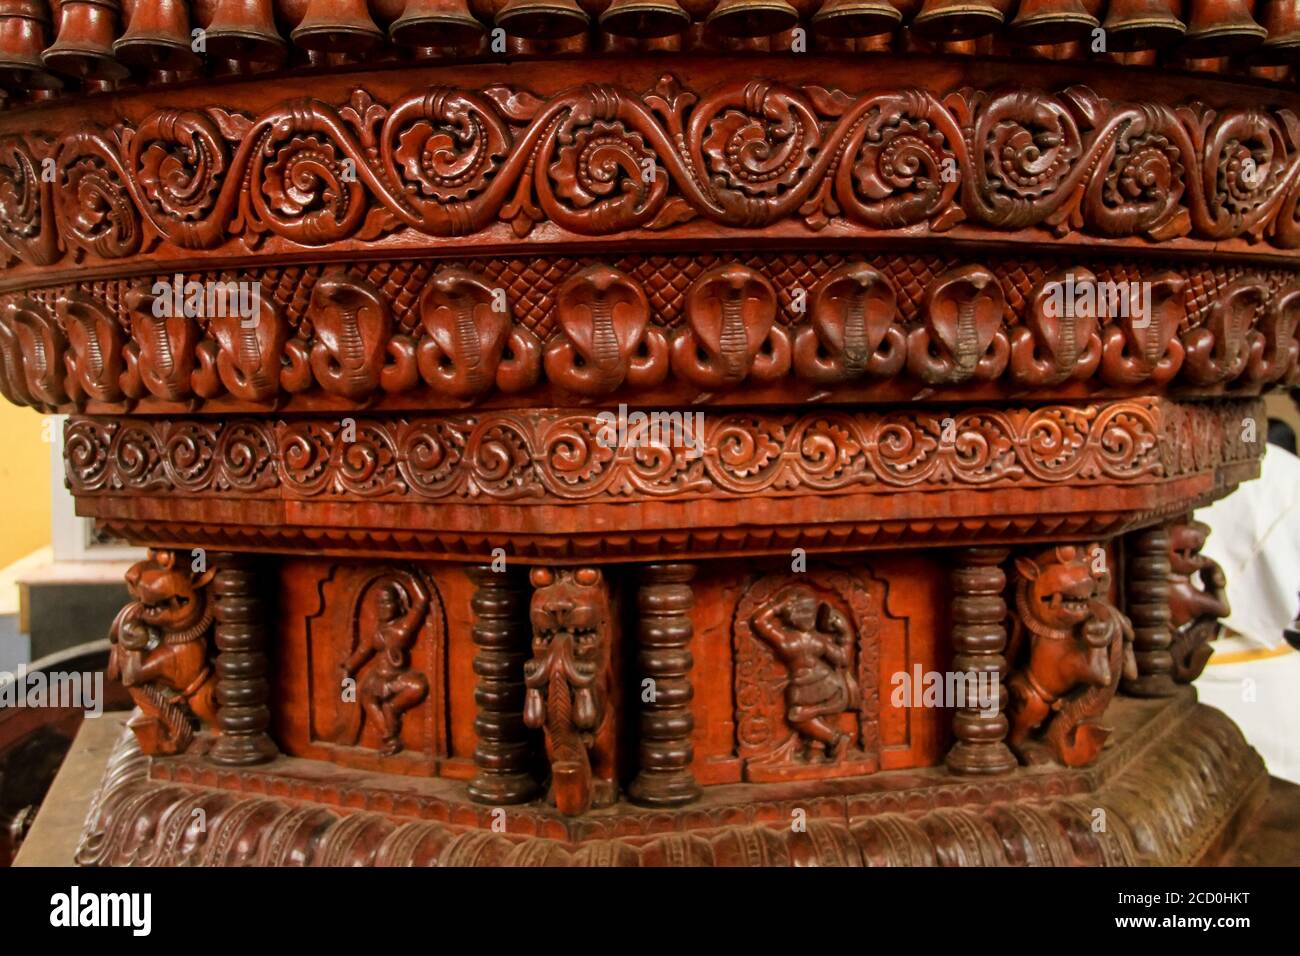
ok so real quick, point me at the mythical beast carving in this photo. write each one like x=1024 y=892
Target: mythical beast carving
x=1067 y=672
x=1194 y=611
x=569 y=685
x=160 y=651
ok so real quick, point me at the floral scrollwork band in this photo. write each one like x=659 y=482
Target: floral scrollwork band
x=535 y=457
x=604 y=160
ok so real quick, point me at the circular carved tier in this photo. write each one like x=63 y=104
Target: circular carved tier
x=474 y=343
x=441 y=239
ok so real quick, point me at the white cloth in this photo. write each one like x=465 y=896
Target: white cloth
x=1260 y=690
x=1254 y=676
x=1255 y=536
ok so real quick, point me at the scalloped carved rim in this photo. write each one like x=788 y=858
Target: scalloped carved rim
x=1192 y=754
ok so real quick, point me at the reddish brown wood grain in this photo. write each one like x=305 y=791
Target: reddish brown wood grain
x=909 y=461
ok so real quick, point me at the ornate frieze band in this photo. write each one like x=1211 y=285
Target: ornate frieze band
x=422 y=335
x=550 y=455
x=605 y=160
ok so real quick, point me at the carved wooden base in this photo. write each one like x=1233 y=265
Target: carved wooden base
x=298 y=812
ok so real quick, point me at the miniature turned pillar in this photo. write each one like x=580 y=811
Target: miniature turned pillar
x=1147 y=579
x=242 y=619
x=979 y=638
x=664 y=601
x=501 y=633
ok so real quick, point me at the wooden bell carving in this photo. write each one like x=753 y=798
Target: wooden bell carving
x=645 y=18
x=244 y=30
x=84 y=46
x=24 y=33
x=543 y=19
x=158 y=37
x=429 y=23
x=752 y=18
x=337 y=26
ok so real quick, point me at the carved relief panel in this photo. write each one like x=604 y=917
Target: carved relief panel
x=871 y=622
x=367 y=649
x=806 y=652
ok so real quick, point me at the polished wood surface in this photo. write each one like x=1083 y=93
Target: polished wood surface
x=576 y=419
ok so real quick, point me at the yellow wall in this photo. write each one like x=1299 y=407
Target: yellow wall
x=1279 y=405
x=24 y=482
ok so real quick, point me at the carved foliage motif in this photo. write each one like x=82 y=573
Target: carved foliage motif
x=94 y=202
x=747 y=154
x=571 y=685
x=1198 y=598
x=27 y=226
x=806 y=649
x=160 y=651
x=513 y=455
x=1067 y=651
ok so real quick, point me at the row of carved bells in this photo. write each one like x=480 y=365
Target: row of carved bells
x=158 y=35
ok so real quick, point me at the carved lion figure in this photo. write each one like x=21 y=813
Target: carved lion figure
x=1068 y=671
x=160 y=651
x=569 y=682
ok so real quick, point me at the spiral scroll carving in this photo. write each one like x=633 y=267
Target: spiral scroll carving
x=506 y=456
x=600 y=160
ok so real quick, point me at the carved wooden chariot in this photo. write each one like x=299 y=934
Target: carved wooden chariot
x=942 y=318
